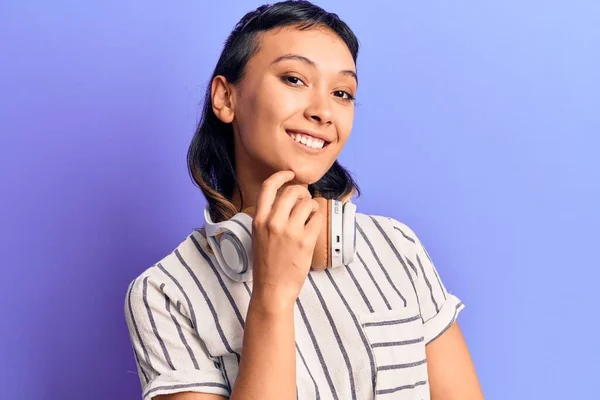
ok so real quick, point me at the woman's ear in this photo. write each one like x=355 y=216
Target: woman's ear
x=221 y=93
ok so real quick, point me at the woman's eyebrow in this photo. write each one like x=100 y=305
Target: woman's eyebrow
x=311 y=63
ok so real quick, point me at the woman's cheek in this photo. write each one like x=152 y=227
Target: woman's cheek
x=345 y=127
x=290 y=103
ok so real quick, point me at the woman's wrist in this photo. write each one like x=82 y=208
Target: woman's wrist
x=271 y=303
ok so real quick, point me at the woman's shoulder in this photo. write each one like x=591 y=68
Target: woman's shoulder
x=174 y=272
x=387 y=229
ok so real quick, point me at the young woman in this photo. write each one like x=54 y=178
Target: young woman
x=277 y=115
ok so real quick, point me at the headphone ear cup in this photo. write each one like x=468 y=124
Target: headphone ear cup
x=233 y=250
x=234 y=256
x=336 y=244
x=349 y=232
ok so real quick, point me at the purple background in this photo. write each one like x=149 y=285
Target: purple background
x=478 y=125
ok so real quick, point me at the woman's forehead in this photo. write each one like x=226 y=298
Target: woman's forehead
x=320 y=45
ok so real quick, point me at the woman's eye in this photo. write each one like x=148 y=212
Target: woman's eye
x=343 y=94
x=293 y=80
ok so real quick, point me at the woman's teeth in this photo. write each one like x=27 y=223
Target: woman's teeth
x=308 y=140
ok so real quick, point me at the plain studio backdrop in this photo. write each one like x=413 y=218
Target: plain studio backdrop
x=478 y=124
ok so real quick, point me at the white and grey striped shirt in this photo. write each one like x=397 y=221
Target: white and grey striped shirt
x=361 y=330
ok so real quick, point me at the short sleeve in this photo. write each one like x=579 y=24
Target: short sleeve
x=169 y=355
x=439 y=308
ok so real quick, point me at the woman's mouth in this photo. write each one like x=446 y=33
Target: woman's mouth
x=307 y=140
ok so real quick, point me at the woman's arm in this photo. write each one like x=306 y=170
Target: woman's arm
x=451 y=372
x=268 y=364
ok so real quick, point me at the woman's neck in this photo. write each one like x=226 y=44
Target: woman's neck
x=250 y=191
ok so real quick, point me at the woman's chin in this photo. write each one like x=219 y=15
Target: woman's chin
x=307 y=177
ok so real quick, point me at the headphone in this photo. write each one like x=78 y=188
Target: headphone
x=335 y=247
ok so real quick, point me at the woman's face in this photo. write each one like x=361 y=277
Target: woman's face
x=294 y=107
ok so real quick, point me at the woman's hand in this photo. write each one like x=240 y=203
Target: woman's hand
x=285 y=229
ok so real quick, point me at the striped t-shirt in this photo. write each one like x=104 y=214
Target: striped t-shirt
x=361 y=329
